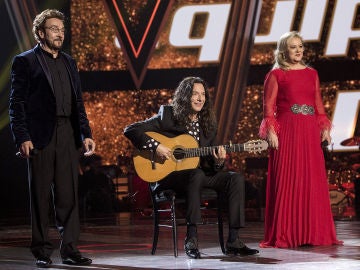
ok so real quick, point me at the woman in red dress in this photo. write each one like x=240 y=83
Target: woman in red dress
x=298 y=210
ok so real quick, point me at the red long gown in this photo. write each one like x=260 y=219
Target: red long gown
x=298 y=210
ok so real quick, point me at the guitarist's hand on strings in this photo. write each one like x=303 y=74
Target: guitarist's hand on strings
x=163 y=152
x=220 y=155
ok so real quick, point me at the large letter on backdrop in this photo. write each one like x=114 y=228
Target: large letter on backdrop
x=211 y=43
x=345 y=117
x=342 y=28
x=281 y=22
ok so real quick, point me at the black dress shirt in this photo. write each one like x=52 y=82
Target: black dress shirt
x=61 y=83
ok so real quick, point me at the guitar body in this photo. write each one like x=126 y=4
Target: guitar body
x=151 y=168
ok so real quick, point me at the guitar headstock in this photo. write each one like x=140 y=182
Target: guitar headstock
x=255 y=146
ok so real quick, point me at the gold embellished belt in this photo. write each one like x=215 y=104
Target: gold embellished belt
x=303 y=109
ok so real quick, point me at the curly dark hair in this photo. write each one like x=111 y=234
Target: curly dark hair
x=40 y=20
x=182 y=105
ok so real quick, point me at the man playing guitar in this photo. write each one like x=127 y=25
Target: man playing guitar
x=191 y=112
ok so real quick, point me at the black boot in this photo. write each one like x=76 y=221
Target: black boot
x=238 y=247
x=191 y=248
x=43 y=262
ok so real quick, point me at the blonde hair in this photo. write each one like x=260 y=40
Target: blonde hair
x=281 y=50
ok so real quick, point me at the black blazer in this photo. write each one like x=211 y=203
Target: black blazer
x=165 y=124
x=32 y=108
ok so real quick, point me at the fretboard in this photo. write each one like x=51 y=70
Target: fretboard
x=208 y=150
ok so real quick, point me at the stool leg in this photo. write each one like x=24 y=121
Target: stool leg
x=174 y=228
x=156 y=231
x=220 y=227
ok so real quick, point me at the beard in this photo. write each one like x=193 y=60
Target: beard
x=55 y=44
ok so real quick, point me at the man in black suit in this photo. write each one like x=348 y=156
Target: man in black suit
x=191 y=113
x=49 y=126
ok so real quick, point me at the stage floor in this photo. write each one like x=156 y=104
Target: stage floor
x=122 y=242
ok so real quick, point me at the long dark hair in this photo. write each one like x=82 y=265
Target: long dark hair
x=182 y=105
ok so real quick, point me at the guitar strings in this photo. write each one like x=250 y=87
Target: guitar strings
x=194 y=152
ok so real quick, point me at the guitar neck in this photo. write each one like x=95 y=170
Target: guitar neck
x=208 y=150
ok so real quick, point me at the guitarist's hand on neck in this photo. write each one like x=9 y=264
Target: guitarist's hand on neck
x=163 y=152
x=219 y=154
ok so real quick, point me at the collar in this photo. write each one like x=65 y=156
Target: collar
x=50 y=54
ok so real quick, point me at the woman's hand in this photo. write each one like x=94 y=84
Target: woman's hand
x=273 y=140
x=325 y=136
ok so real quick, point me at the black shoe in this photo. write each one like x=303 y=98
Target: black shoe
x=191 y=248
x=238 y=247
x=43 y=262
x=76 y=260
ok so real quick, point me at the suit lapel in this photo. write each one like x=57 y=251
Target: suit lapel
x=40 y=56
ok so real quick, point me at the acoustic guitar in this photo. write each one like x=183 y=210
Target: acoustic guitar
x=185 y=154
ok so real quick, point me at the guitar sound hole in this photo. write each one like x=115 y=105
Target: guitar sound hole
x=179 y=154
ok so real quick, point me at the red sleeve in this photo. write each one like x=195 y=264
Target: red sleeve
x=269 y=106
x=323 y=121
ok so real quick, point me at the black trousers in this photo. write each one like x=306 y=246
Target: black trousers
x=191 y=182
x=53 y=181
